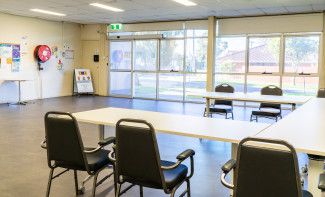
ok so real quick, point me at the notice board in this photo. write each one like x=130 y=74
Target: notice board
x=10 y=57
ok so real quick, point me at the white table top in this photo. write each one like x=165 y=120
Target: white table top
x=254 y=97
x=3 y=78
x=304 y=128
x=191 y=126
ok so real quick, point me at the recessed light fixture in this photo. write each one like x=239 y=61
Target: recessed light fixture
x=186 y=2
x=47 y=12
x=106 y=7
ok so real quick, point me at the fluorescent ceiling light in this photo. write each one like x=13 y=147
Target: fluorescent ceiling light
x=106 y=7
x=186 y=2
x=47 y=12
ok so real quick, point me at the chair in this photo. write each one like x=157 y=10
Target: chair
x=264 y=171
x=138 y=161
x=65 y=150
x=222 y=107
x=269 y=110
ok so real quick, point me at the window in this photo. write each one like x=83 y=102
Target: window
x=172 y=55
x=196 y=55
x=289 y=61
x=145 y=55
x=230 y=55
x=195 y=83
x=300 y=85
x=264 y=54
x=120 y=55
x=120 y=68
x=171 y=86
x=144 y=85
x=120 y=83
x=172 y=68
x=230 y=62
x=301 y=54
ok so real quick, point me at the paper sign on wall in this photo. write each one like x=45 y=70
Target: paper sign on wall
x=10 y=57
x=83 y=81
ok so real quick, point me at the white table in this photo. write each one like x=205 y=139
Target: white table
x=305 y=130
x=253 y=97
x=183 y=125
x=19 y=80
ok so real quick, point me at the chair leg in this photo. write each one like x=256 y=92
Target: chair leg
x=188 y=188
x=76 y=182
x=232 y=115
x=141 y=191
x=251 y=118
x=114 y=178
x=95 y=184
x=276 y=119
x=49 y=183
x=118 y=190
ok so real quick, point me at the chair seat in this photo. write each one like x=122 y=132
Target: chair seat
x=175 y=176
x=267 y=112
x=98 y=159
x=306 y=194
x=220 y=109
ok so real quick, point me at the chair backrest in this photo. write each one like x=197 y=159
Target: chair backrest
x=137 y=154
x=266 y=172
x=274 y=91
x=226 y=88
x=63 y=141
x=321 y=93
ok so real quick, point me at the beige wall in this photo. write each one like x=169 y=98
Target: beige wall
x=94 y=41
x=30 y=32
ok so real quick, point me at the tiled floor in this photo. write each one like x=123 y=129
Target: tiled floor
x=23 y=164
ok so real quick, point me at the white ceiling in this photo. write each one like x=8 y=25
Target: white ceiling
x=156 y=10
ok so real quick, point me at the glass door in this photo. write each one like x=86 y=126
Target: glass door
x=120 y=68
x=145 y=60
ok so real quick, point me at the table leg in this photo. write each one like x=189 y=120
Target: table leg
x=207 y=107
x=110 y=131
x=19 y=96
x=315 y=168
x=293 y=106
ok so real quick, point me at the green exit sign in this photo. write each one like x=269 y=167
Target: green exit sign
x=116 y=26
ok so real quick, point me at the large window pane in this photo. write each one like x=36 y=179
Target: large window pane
x=145 y=54
x=195 y=84
x=144 y=85
x=256 y=82
x=171 y=55
x=196 y=55
x=264 y=54
x=230 y=55
x=237 y=81
x=301 y=54
x=300 y=85
x=120 y=83
x=171 y=86
x=120 y=55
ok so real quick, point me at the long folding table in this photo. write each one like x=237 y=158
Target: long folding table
x=305 y=130
x=252 y=97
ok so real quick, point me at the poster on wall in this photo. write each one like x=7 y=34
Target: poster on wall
x=83 y=82
x=10 y=57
